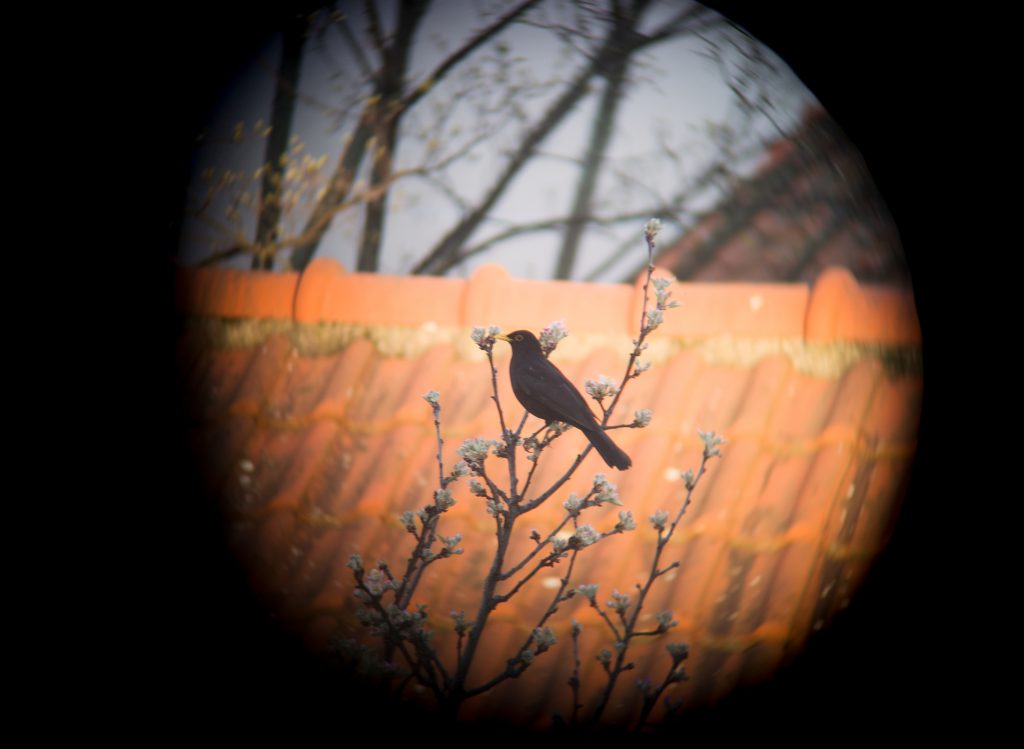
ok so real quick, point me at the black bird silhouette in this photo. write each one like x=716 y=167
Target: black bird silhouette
x=547 y=393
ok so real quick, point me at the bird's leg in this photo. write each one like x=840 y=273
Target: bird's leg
x=550 y=432
x=547 y=425
x=532 y=445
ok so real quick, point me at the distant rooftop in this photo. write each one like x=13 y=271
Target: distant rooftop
x=811 y=205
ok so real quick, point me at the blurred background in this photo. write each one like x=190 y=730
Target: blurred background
x=428 y=138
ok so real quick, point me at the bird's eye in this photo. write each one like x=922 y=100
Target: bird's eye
x=519 y=338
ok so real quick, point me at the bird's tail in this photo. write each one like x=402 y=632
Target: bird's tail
x=613 y=455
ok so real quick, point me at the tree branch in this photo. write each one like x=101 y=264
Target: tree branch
x=373 y=22
x=345 y=29
x=559 y=596
x=602 y=127
x=533 y=552
x=463 y=52
x=612 y=50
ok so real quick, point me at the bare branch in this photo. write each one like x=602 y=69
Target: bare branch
x=550 y=437
x=536 y=549
x=559 y=597
x=612 y=50
x=541 y=226
x=625 y=25
x=373 y=22
x=630 y=624
x=342 y=24
x=574 y=680
x=607 y=620
x=463 y=52
x=549 y=561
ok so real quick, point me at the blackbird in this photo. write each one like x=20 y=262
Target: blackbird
x=546 y=393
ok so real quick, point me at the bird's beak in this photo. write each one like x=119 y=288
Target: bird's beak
x=503 y=338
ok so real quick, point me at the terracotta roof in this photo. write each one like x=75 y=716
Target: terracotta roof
x=306 y=411
x=810 y=206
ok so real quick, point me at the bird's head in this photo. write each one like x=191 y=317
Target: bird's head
x=521 y=340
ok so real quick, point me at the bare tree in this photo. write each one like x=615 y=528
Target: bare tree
x=624 y=28
x=384 y=109
x=392 y=97
x=612 y=53
x=384 y=124
x=268 y=222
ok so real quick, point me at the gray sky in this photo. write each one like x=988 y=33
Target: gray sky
x=675 y=95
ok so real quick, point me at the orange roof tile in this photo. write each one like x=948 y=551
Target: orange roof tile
x=305 y=395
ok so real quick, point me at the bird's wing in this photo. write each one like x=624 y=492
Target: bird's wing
x=548 y=394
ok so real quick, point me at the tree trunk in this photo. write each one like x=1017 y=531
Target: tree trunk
x=600 y=136
x=268 y=221
x=341 y=182
x=614 y=50
x=388 y=113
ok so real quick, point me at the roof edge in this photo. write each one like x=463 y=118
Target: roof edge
x=836 y=308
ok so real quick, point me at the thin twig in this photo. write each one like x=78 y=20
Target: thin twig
x=526 y=560
x=558 y=598
x=494 y=389
x=440 y=443
x=574 y=680
x=549 y=561
x=607 y=620
x=540 y=448
x=663 y=539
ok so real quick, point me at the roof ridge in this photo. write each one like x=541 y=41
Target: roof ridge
x=835 y=308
